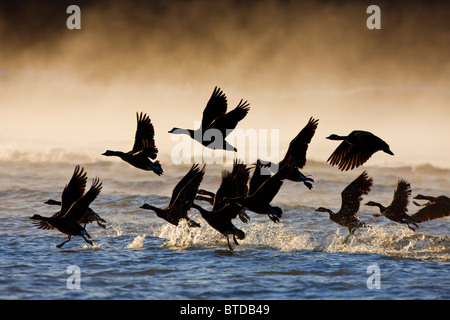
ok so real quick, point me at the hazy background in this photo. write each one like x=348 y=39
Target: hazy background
x=77 y=91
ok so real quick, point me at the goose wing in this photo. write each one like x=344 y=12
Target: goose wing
x=80 y=207
x=227 y=122
x=186 y=189
x=400 y=201
x=73 y=190
x=269 y=189
x=299 y=145
x=216 y=107
x=234 y=184
x=433 y=210
x=352 y=194
x=144 y=140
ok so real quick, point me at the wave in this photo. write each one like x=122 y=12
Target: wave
x=394 y=241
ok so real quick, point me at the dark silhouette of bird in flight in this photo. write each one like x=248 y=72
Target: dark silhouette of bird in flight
x=297 y=150
x=89 y=217
x=396 y=211
x=263 y=188
x=351 y=198
x=73 y=208
x=144 y=147
x=356 y=149
x=182 y=198
x=436 y=207
x=233 y=184
x=217 y=124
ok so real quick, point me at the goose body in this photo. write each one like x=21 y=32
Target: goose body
x=355 y=149
x=351 y=198
x=396 y=211
x=144 y=148
x=182 y=198
x=74 y=206
x=297 y=150
x=216 y=124
x=435 y=208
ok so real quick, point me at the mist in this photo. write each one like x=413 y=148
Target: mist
x=79 y=90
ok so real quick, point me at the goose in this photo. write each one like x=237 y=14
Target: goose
x=396 y=211
x=144 y=147
x=73 y=208
x=297 y=149
x=356 y=149
x=436 y=207
x=233 y=184
x=182 y=198
x=221 y=220
x=262 y=189
x=351 y=198
x=89 y=217
x=216 y=124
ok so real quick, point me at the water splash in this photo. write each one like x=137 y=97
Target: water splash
x=138 y=243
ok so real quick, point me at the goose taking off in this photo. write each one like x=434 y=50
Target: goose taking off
x=297 y=150
x=351 y=198
x=234 y=184
x=73 y=208
x=356 y=149
x=262 y=190
x=216 y=123
x=182 y=198
x=396 y=211
x=89 y=217
x=436 y=207
x=144 y=147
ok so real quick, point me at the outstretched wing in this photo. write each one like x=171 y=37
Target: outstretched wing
x=399 y=204
x=299 y=145
x=269 y=189
x=80 y=207
x=433 y=210
x=144 y=139
x=186 y=189
x=352 y=194
x=234 y=184
x=226 y=123
x=73 y=190
x=340 y=153
x=216 y=107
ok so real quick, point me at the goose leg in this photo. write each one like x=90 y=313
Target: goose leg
x=88 y=241
x=60 y=245
x=229 y=245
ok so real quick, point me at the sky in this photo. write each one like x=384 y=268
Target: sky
x=79 y=90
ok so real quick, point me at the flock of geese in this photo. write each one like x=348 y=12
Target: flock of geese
x=238 y=192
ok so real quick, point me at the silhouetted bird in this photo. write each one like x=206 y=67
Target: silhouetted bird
x=89 y=217
x=356 y=149
x=262 y=190
x=396 y=211
x=221 y=221
x=351 y=198
x=233 y=184
x=216 y=123
x=297 y=149
x=144 y=147
x=73 y=208
x=436 y=207
x=182 y=198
